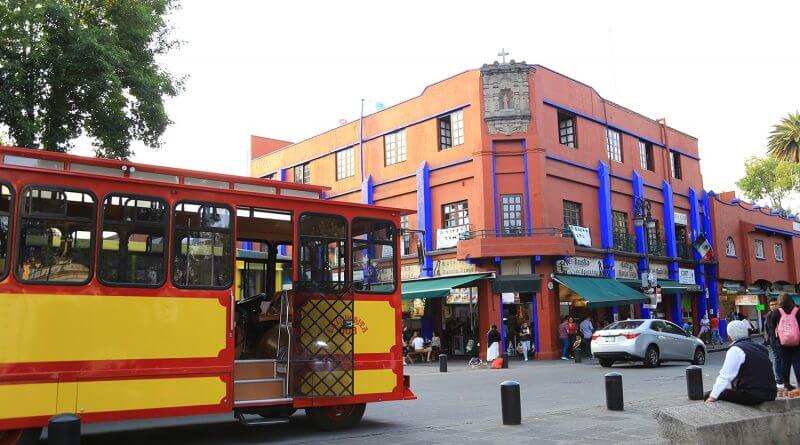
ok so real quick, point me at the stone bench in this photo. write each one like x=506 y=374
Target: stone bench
x=776 y=422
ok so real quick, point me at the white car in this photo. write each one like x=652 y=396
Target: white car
x=649 y=341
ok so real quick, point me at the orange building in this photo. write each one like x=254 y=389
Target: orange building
x=524 y=183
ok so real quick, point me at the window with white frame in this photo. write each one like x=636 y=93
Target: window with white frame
x=451 y=130
x=730 y=247
x=614 y=145
x=302 y=173
x=406 y=236
x=512 y=213
x=778 y=248
x=455 y=214
x=646 y=156
x=345 y=161
x=566 y=129
x=759 y=249
x=394 y=147
x=675 y=165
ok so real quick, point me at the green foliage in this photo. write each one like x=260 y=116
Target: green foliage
x=784 y=139
x=769 y=178
x=71 y=68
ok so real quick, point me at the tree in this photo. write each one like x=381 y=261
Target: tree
x=71 y=68
x=769 y=178
x=784 y=139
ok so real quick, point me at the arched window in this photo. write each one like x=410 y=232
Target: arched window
x=730 y=247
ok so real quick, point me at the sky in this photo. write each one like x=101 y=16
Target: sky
x=724 y=72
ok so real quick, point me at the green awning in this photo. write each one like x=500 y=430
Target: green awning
x=668 y=287
x=516 y=283
x=795 y=297
x=437 y=287
x=601 y=292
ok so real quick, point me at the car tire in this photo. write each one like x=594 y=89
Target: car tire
x=606 y=362
x=699 y=357
x=651 y=357
x=336 y=417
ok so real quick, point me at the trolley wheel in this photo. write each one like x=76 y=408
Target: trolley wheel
x=28 y=436
x=336 y=417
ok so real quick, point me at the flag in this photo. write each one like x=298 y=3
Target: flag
x=703 y=247
x=379 y=106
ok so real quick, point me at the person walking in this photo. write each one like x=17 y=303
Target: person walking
x=493 y=344
x=587 y=329
x=771 y=342
x=572 y=333
x=714 y=325
x=563 y=335
x=745 y=377
x=525 y=339
x=704 y=325
x=787 y=334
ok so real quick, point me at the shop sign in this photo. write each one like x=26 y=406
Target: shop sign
x=661 y=271
x=732 y=287
x=409 y=271
x=626 y=270
x=747 y=300
x=515 y=266
x=796 y=226
x=452 y=266
x=462 y=295
x=686 y=276
x=581 y=235
x=783 y=288
x=681 y=219
x=574 y=265
x=447 y=238
x=508 y=297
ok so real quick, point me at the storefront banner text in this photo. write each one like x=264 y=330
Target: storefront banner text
x=575 y=265
x=625 y=270
x=447 y=238
x=686 y=276
x=581 y=235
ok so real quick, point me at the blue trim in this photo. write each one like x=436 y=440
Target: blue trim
x=494 y=191
x=281 y=174
x=424 y=215
x=367 y=190
x=776 y=231
x=606 y=221
x=618 y=176
x=683 y=153
x=669 y=221
x=698 y=224
x=641 y=245
x=451 y=164
x=529 y=216
x=568 y=162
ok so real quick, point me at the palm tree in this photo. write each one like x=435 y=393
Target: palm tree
x=784 y=139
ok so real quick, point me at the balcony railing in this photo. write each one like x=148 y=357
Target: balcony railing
x=513 y=232
x=624 y=241
x=655 y=244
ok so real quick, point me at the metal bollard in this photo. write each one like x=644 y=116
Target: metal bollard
x=510 y=403
x=64 y=429
x=442 y=363
x=505 y=360
x=578 y=355
x=614 y=400
x=694 y=382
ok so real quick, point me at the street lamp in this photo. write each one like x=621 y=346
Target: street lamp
x=643 y=217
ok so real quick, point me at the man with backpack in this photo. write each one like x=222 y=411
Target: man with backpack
x=771 y=342
x=786 y=321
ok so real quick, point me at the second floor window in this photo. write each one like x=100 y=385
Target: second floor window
x=778 y=248
x=730 y=247
x=566 y=129
x=675 y=164
x=406 y=250
x=302 y=173
x=451 y=130
x=620 y=222
x=572 y=214
x=455 y=214
x=512 y=213
x=394 y=147
x=759 y=249
x=654 y=245
x=614 y=145
x=345 y=163
x=646 y=156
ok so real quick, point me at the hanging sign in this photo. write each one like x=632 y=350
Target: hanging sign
x=681 y=219
x=447 y=238
x=661 y=271
x=592 y=267
x=452 y=266
x=626 y=270
x=686 y=276
x=581 y=235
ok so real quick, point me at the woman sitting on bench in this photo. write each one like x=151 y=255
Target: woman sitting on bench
x=418 y=344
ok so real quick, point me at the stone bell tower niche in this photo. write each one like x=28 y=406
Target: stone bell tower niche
x=506 y=97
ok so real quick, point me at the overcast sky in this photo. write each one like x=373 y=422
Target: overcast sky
x=290 y=70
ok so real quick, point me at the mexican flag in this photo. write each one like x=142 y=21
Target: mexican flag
x=703 y=247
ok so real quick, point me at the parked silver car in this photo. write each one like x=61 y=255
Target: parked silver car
x=650 y=341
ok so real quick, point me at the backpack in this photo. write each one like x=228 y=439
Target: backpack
x=788 y=331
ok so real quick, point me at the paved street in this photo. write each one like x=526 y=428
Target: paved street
x=562 y=402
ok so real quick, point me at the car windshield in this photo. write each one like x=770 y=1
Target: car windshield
x=627 y=324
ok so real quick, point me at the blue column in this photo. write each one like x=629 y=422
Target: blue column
x=367 y=189
x=281 y=174
x=641 y=241
x=699 y=271
x=535 y=311
x=424 y=221
x=606 y=221
x=672 y=249
x=711 y=269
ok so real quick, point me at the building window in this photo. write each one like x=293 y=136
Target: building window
x=572 y=214
x=613 y=145
x=512 y=213
x=730 y=247
x=778 y=248
x=566 y=129
x=654 y=245
x=455 y=214
x=620 y=222
x=646 y=155
x=345 y=163
x=406 y=236
x=394 y=147
x=759 y=249
x=675 y=164
x=451 y=130
x=302 y=173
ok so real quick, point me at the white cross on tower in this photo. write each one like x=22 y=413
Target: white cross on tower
x=503 y=54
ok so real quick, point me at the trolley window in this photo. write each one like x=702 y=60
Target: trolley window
x=56 y=236
x=202 y=246
x=373 y=255
x=134 y=233
x=322 y=262
x=6 y=206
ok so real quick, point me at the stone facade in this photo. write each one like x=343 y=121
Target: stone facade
x=506 y=97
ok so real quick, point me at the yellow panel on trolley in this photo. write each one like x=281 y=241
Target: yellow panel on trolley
x=28 y=400
x=50 y=328
x=374 y=381
x=122 y=395
x=374 y=327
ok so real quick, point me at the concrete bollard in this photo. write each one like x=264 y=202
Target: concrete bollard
x=442 y=363
x=614 y=400
x=510 y=403
x=64 y=429
x=694 y=382
x=505 y=360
